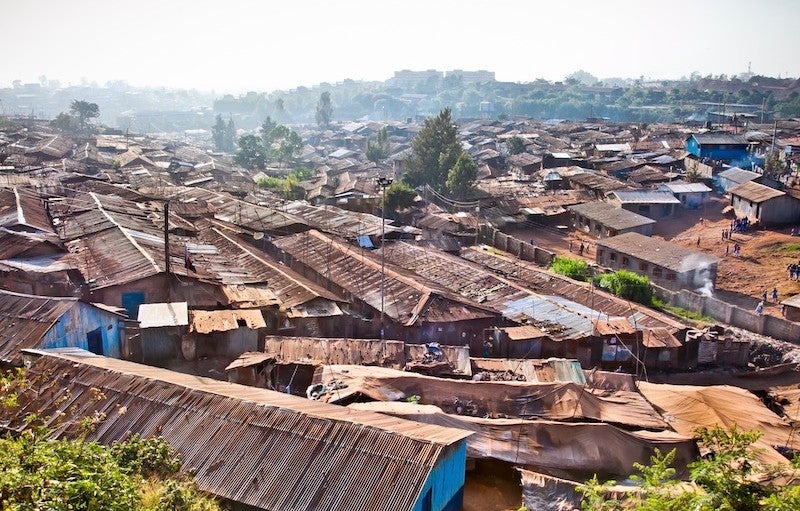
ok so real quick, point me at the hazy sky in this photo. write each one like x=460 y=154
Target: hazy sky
x=238 y=45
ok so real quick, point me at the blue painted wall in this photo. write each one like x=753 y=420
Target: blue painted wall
x=727 y=153
x=446 y=481
x=71 y=329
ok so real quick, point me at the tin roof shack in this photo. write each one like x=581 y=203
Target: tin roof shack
x=719 y=146
x=653 y=204
x=161 y=328
x=604 y=220
x=223 y=333
x=254 y=448
x=764 y=205
x=733 y=177
x=517 y=342
x=28 y=321
x=265 y=371
x=792 y=307
x=666 y=264
x=414 y=310
x=21 y=209
x=691 y=195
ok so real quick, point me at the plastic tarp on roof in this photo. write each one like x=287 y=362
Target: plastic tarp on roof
x=687 y=408
x=155 y=315
x=573 y=446
x=551 y=401
x=205 y=322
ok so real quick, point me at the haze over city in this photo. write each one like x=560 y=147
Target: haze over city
x=237 y=46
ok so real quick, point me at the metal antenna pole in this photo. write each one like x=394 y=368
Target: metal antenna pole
x=383 y=182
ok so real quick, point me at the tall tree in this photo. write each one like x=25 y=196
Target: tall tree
x=461 y=177
x=218 y=133
x=84 y=111
x=379 y=148
x=266 y=131
x=324 y=109
x=436 y=149
x=251 y=154
x=285 y=143
x=230 y=136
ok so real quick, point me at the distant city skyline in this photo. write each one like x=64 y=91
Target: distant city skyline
x=237 y=46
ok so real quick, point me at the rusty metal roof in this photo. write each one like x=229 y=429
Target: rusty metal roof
x=408 y=299
x=261 y=448
x=25 y=319
x=206 y=322
x=554 y=306
x=22 y=208
x=540 y=280
x=755 y=192
x=659 y=252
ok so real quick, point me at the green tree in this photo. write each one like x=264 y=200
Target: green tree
x=66 y=122
x=462 y=176
x=84 y=111
x=379 y=149
x=515 y=145
x=229 y=140
x=266 y=131
x=324 y=110
x=218 y=133
x=285 y=144
x=251 y=153
x=436 y=149
x=399 y=196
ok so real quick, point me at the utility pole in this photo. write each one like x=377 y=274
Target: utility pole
x=383 y=183
x=166 y=249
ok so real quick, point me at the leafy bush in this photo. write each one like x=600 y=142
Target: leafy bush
x=146 y=457
x=573 y=268
x=731 y=478
x=628 y=285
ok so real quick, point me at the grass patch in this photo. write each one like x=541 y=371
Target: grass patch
x=659 y=304
x=790 y=247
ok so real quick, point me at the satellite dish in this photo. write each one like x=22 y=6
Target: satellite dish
x=258 y=235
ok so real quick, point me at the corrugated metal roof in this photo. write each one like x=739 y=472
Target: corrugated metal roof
x=738 y=175
x=25 y=319
x=719 y=139
x=524 y=332
x=261 y=448
x=644 y=197
x=755 y=192
x=206 y=322
x=685 y=187
x=407 y=298
x=154 y=315
x=611 y=216
x=535 y=278
x=541 y=371
x=22 y=207
x=659 y=252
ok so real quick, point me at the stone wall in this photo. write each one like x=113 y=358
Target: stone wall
x=524 y=250
x=724 y=312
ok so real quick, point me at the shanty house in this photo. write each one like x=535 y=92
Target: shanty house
x=29 y=321
x=718 y=146
x=413 y=309
x=734 y=177
x=653 y=204
x=764 y=205
x=666 y=264
x=792 y=307
x=257 y=449
x=603 y=220
x=691 y=195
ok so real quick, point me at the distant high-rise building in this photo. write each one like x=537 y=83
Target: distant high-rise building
x=407 y=78
x=472 y=76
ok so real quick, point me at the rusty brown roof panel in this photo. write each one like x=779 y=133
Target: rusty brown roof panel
x=25 y=319
x=407 y=298
x=257 y=447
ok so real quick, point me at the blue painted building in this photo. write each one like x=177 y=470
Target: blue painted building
x=444 y=488
x=723 y=147
x=31 y=321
